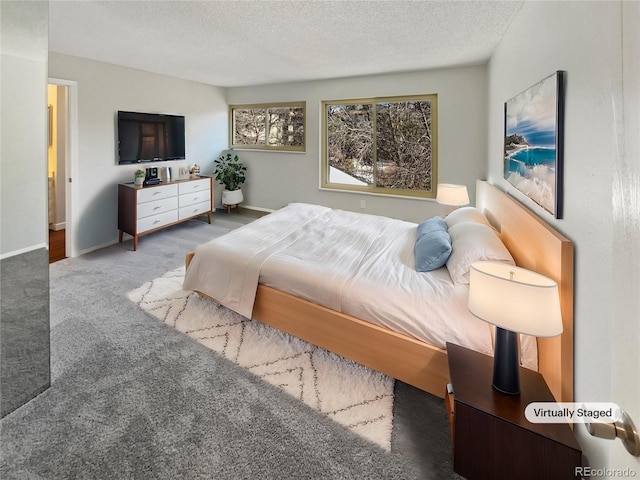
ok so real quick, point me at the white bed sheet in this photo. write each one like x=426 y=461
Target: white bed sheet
x=358 y=264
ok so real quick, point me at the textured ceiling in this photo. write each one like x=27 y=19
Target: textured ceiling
x=251 y=42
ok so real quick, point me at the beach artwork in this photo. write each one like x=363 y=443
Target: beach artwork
x=533 y=142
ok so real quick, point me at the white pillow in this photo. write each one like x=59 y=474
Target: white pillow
x=473 y=242
x=466 y=214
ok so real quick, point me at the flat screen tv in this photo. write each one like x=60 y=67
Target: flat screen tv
x=150 y=137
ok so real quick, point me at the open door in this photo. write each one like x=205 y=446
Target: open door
x=625 y=317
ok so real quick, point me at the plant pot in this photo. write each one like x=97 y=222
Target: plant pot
x=232 y=197
x=139 y=180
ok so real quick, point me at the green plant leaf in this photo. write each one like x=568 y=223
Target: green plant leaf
x=229 y=171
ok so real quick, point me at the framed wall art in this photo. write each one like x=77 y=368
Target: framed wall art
x=533 y=142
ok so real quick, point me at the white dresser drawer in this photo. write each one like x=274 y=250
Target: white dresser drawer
x=194 y=186
x=159 y=206
x=197 y=209
x=149 y=194
x=193 y=198
x=156 y=221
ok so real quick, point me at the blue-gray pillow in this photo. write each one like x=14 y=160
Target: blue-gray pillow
x=433 y=245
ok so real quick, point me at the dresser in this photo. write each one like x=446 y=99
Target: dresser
x=144 y=210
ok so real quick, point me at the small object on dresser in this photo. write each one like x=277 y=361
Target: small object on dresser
x=180 y=173
x=195 y=170
x=139 y=177
x=165 y=174
x=151 y=176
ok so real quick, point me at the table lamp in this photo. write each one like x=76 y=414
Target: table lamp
x=453 y=195
x=515 y=300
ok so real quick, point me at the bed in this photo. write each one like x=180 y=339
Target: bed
x=296 y=279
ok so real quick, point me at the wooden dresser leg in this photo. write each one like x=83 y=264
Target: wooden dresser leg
x=120 y=236
x=135 y=243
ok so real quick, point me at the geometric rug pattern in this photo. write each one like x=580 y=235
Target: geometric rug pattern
x=354 y=396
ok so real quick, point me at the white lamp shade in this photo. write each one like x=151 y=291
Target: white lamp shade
x=515 y=299
x=450 y=194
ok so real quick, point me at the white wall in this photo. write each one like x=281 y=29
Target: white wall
x=24 y=259
x=582 y=38
x=103 y=89
x=23 y=154
x=275 y=179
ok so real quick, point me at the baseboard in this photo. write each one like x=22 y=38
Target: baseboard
x=98 y=247
x=57 y=226
x=28 y=249
x=247 y=210
x=257 y=209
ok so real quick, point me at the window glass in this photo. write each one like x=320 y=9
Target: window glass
x=385 y=145
x=269 y=127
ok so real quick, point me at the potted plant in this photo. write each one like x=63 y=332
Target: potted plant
x=139 y=176
x=230 y=172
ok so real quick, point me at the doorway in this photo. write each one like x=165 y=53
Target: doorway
x=57 y=99
x=61 y=154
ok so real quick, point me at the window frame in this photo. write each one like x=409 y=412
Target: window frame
x=275 y=105
x=372 y=189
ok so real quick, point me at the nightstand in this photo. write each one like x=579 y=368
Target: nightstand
x=491 y=437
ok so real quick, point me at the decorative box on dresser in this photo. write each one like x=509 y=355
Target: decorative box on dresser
x=492 y=439
x=144 y=210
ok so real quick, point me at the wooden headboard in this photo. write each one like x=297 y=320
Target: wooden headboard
x=537 y=246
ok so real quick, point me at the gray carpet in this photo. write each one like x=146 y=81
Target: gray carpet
x=133 y=398
x=24 y=328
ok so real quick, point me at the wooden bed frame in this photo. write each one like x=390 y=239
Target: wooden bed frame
x=534 y=245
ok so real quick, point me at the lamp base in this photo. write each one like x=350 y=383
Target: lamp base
x=506 y=362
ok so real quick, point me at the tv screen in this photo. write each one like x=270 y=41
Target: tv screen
x=150 y=137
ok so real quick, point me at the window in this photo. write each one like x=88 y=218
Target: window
x=268 y=126
x=381 y=145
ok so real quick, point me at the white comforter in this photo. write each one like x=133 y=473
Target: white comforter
x=361 y=265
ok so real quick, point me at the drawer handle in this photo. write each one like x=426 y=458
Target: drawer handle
x=157 y=221
x=156 y=193
x=156 y=207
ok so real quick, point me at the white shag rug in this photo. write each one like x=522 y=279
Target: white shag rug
x=350 y=394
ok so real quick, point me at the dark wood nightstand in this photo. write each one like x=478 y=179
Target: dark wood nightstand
x=491 y=437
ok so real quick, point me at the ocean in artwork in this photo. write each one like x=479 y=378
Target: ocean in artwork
x=523 y=160
x=530 y=151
